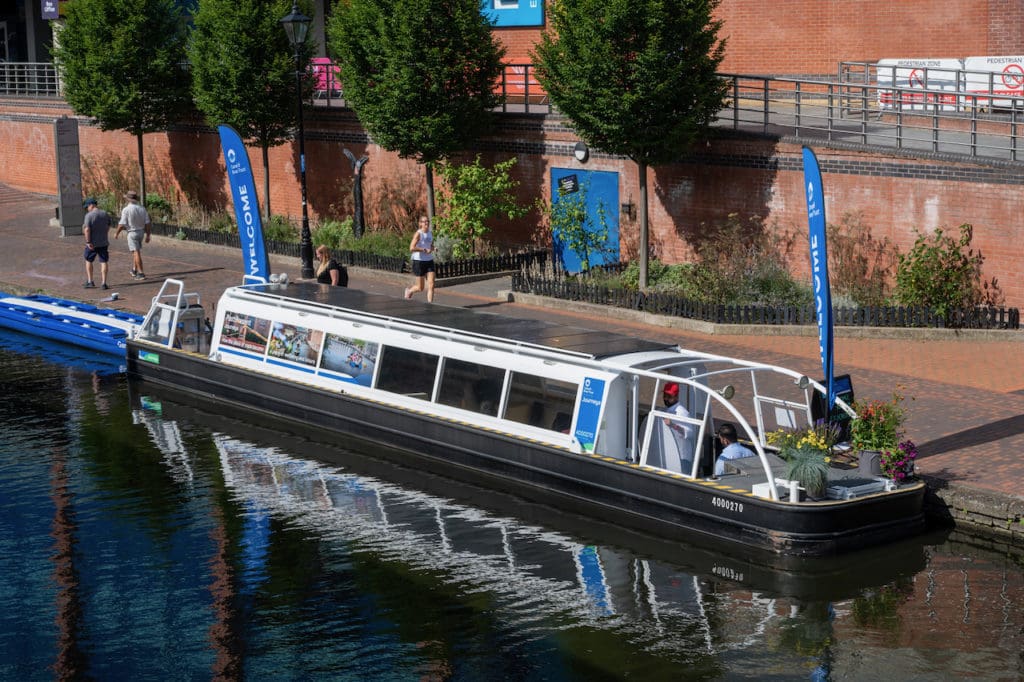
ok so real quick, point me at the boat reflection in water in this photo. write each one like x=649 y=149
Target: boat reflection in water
x=544 y=568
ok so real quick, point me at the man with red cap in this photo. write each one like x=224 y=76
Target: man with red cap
x=682 y=433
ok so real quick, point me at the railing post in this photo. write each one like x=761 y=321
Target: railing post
x=735 y=102
x=766 y=109
x=796 y=101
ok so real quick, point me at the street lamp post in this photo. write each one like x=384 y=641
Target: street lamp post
x=296 y=25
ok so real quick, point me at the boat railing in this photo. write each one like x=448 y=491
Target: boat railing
x=161 y=323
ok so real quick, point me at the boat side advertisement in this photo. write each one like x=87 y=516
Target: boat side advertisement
x=589 y=413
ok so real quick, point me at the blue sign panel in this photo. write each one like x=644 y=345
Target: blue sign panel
x=589 y=412
x=514 y=12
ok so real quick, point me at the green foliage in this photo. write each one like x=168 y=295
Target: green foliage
x=339 y=236
x=738 y=262
x=808 y=465
x=635 y=77
x=243 y=70
x=334 y=233
x=280 y=229
x=860 y=266
x=120 y=62
x=160 y=210
x=571 y=224
x=879 y=423
x=944 y=273
x=221 y=221
x=473 y=194
x=419 y=74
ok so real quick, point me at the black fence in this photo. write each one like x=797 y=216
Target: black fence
x=459 y=268
x=676 y=306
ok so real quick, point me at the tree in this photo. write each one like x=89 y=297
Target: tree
x=419 y=74
x=471 y=195
x=635 y=77
x=120 y=63
x=243 y=71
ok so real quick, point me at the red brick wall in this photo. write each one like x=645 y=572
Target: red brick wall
x=896 y=195
x=811 y=36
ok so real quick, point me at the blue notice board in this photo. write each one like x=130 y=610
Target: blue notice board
x=514 y=12
x=589 y=412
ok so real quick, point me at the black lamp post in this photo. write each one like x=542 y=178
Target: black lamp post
x=296 y=25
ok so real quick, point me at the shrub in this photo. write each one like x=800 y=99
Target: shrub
x=861 y=267
x=334 y=233
x=944 y=274
x=221 y=221
x=160 y=210
x=471 y=195
x=280 y=229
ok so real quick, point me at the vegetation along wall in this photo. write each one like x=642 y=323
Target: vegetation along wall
x=895 y=195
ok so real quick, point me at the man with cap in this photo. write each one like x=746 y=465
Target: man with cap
x=682 y=432
x=96 y=229
x=135 y=220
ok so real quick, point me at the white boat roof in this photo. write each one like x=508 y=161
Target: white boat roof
x=443 y=319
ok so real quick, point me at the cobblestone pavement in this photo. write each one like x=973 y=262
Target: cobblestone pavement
x=967 y=412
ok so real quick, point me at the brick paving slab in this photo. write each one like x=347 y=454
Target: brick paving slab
x=966 y=412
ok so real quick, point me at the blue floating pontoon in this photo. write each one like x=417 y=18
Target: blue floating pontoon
x=73 y=322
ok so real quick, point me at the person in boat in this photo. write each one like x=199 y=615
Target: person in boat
x=328 y=270
x=682 y=433
x=422 y=249
x=731 y=449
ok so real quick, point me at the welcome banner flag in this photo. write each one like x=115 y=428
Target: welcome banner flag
x=819 y=266
x=247 y=209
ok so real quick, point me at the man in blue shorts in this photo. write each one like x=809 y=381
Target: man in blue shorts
x=96 y=229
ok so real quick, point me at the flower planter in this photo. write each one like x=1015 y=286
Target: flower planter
x=869 y=463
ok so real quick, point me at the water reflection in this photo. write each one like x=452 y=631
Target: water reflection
x=676 y=602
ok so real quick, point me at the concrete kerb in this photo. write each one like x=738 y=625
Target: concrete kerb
x=710 y=328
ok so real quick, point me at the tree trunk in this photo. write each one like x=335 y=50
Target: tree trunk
x=642 y=174
x=266 y=186
x=142 y=170
x=429 y=169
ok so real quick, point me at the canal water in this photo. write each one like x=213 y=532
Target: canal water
x=146 y=538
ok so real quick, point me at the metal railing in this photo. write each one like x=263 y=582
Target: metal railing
x=855 y=109
x=929 y=120
x=29 y=79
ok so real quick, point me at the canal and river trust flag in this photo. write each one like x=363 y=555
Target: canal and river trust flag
x=819 y=266
x=247 y=209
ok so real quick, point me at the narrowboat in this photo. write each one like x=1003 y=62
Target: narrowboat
x=527 y=406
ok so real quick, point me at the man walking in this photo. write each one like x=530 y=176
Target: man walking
x=96 y=229
x=135 y=220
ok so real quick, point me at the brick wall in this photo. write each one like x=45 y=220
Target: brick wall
x=805 y=37
x=746 y=176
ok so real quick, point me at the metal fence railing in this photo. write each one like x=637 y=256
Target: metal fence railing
x=663 y=303
x=29 y=79
x=866 y=105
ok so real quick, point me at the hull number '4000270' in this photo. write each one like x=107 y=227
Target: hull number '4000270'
x=730 y=505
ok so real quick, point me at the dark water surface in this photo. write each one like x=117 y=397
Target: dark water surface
x=145 y=539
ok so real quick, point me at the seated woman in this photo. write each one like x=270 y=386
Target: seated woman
x=328 y=270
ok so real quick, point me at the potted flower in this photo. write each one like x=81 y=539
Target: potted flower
x=878 y=428
x=898 y=463
x=808 y=455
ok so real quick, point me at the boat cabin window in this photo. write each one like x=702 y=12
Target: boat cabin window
x=538 y=401
x=407 y=372
x=471 y=386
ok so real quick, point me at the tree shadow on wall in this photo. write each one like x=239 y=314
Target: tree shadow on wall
x=199 y=169
x=726 y=177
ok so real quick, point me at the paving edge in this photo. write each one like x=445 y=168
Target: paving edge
x=991 y=515
x=710 y=328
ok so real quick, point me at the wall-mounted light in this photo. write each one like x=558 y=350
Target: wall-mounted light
x=581 y=152
x=628 y=209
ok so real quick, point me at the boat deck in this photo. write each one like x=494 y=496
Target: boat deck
x=845 y=480
x=589 y=343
